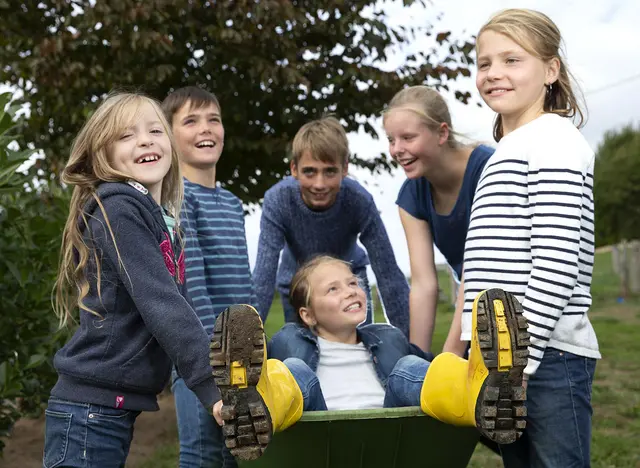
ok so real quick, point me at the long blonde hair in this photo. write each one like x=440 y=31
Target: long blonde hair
x=539 y=36
x=87 y=168
x=428 y=104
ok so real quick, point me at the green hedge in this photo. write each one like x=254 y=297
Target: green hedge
x=32 y=216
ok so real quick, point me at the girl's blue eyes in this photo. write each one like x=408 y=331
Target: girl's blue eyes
x=127 y=135
x=334 y=288
x=405 y=138
x=482 y=66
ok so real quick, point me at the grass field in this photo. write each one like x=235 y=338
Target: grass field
x=616 y=390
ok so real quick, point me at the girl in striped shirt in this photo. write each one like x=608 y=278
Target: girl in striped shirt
x=531 y=230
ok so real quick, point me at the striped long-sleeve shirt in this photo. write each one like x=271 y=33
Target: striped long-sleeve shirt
x=217 y=262
x=532 y=233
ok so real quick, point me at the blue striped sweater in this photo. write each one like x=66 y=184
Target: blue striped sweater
x=287 y=222
x=217 y=262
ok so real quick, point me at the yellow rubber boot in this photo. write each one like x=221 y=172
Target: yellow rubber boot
x=281 y=393
x=486 y=390
x=259 y=396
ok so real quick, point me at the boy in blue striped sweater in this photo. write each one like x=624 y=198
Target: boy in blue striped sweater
x=217 y=263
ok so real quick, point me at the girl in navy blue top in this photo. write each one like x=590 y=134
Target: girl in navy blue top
x=434 y=202
x=122 y=277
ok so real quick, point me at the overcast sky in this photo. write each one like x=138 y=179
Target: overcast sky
x=601 y=42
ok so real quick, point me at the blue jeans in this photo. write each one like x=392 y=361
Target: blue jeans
x=403 y=386
x=291 y=315
x=82 y=435
x=558 y=432
x=201 y=439
x=308 y=383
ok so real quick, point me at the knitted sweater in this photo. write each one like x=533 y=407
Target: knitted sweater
x=217 y=263
x=287 y=220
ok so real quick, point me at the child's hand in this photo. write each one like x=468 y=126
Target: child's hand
x=217 y=413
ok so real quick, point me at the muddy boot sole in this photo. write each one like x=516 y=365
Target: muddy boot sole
x=237 y=355
x=504 y=343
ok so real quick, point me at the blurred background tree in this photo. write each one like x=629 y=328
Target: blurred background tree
x=617 y=187
x=32 y=215
x=273 y=64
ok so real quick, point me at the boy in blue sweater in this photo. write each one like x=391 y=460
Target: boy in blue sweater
x=321 y=211
x=217 y=263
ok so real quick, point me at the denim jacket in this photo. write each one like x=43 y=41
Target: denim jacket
x=385 y=343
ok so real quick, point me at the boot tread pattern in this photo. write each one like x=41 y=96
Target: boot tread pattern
x=237 y=349
x=504 y=343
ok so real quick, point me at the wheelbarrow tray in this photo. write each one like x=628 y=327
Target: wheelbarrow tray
x=385 y=438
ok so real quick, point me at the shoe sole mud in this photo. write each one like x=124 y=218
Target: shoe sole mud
x=236 y=356
x=504 y=342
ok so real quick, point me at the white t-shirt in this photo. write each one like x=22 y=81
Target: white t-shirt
x=348 y=377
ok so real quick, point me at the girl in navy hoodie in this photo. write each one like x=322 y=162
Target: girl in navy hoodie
x=122 y=266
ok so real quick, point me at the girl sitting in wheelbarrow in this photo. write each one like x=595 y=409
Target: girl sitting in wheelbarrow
x=327 y=362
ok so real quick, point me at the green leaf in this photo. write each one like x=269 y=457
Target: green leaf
x=6 y=122
x=10 y=189
x=35 y=361
x=3 y=374
x=21 y=155
x=8 y=173
x=14 y=271
x=5 y=98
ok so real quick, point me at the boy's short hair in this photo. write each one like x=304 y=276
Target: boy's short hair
x=195 y=96
x=325 y=139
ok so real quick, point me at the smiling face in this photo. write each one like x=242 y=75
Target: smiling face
x=320 y=181
x=199 y=134
x=511 y=81
x=338 y=303
x=143 y=151
x=412 y=144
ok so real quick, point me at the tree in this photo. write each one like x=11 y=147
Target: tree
x=274 y=65
x=32 y=216
x=617 y=187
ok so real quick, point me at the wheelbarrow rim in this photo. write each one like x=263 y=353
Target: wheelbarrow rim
x=382 y=413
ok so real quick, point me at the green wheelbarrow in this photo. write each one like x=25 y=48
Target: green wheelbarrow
x=385 y=438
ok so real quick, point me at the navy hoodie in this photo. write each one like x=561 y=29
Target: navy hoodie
x=124 y=359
